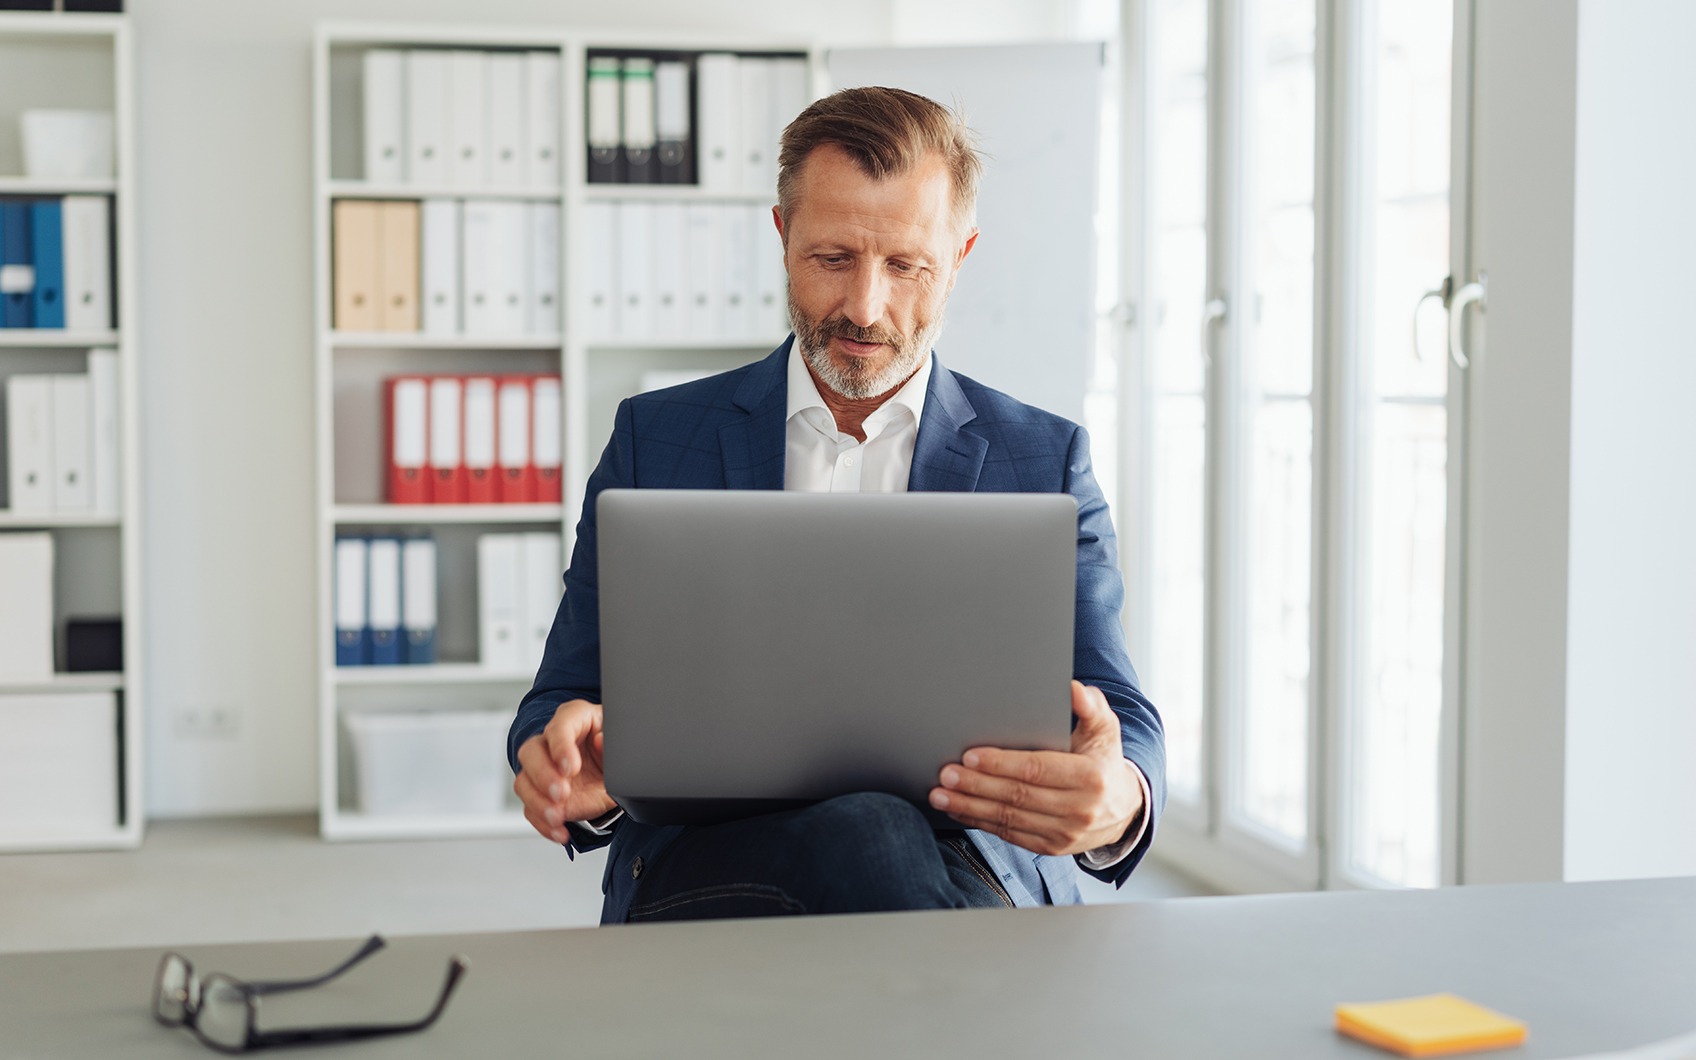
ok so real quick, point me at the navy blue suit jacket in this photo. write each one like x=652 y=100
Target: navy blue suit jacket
x=728 y=432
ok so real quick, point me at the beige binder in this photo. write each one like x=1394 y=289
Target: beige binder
x=355 y=253
x=397 y=266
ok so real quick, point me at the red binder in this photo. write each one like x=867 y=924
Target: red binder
x=447 y=451
x=517 y=474
x=482 y=481
x=547 y=439
x=405 y=435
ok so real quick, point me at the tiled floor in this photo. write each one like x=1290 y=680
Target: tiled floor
x=246 y=879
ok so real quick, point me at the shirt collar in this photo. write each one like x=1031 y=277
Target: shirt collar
x=804 y=393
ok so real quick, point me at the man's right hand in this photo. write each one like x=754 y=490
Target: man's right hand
x=559 y=777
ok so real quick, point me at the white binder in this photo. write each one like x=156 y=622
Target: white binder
x=440 y=308
x=26 y=607
x=499 y=562
x=636 y=120
x=718 y=87
x=468 y=86
x=791 y=91
x=105 y=454
x=670 y=319
x=73 y=488
x=86 y=220
x=770 y=311
x=540 y=591
x=508 y=164
x=29 y=443
x=604 y=128
x=738 y=273
x=672 y=128
x=705 y=275
x=479 y=429
x=600 y=271
x=385 y=116
x=351 y=554
x=635 y=253
x=496 y=274
x=758 y=166
x=541 y=118
x=427 y=118
x=542 y=315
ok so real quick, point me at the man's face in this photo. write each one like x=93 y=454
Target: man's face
x=871 y=264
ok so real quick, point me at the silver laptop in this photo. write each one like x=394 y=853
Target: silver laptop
x=762 y=650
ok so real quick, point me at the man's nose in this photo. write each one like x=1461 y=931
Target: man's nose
x=868 y=297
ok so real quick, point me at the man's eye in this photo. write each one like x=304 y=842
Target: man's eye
x=901 y=267
x=834 y=259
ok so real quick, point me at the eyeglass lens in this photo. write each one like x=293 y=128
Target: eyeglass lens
x=173 y=989
x=223 y=1016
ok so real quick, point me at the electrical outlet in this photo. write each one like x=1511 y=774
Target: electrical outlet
x=206 y=722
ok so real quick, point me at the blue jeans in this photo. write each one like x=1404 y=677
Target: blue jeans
x=854 y=854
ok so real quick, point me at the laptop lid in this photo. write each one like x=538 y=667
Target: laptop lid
x=767 y=649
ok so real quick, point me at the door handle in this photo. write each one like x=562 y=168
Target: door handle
x=1214 y=310
x=1476 y=291
x=1442 y=294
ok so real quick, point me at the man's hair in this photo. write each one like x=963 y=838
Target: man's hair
x=887 y=132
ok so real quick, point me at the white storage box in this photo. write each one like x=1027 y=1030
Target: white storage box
x=430 y=762
x=67 y=143
x=58 y=765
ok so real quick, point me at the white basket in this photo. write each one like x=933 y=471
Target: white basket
x=74 y=144
x=436 y=763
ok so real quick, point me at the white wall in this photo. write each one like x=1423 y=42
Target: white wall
x=224 y=181
x=1631 y=666
x=1581 y=700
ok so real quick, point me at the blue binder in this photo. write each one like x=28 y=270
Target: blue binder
x=17 y=289
x=47 y=228
x=382 y=602
x=353 y=633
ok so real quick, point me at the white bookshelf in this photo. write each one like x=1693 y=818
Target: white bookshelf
x=595 y=376
x=84 y=61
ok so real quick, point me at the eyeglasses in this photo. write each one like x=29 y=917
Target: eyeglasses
x=223 y=1011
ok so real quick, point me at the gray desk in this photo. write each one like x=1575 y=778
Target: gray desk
x=1588 y=966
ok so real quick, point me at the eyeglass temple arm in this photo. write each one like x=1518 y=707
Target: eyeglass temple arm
x=307 y=1035
x=278 y=986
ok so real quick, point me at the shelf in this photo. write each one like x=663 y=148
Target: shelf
x=435 y=674
x=58 y=186
x=80 y=682
x=762 y=345
x=39 y=841
x=673 y=193
x=359 y=189
x=44 y=338
x=418 y=340
x=348 y=825
x=386 y=514
x=10 y=520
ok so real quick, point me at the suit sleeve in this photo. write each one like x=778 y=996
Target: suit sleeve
x=571 y=661
x=1099 y=654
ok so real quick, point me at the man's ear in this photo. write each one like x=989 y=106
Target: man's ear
x=959 y=259
x=782 y=235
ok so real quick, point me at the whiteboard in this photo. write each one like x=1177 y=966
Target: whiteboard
x=1022 y=317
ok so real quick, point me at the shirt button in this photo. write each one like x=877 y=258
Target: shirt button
x=636 y=869
x=847 y=461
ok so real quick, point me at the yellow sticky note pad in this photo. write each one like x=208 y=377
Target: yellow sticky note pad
x=1429 y=1026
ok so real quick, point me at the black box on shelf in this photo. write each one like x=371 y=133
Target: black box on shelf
x=94 y=645
x=113 y=6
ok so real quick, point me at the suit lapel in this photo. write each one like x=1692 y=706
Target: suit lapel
x=753 y=447
x=946 y=458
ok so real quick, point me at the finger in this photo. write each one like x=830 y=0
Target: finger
x=571 y=723
x=1059 y=770
x=1098 y=726
x=1013 y=791
x=1038 y=840
x=543 y=816
x=535 y=762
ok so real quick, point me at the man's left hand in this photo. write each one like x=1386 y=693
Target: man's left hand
x=1049 y=802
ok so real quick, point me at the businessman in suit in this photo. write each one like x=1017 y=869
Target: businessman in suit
x=876 y=207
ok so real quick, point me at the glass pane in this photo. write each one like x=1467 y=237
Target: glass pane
x=1394 y=754
x=1172 y=669
x=1277 y=535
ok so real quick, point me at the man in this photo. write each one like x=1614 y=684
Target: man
x=876 y=203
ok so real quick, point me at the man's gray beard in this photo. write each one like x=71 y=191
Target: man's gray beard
x=858 y=381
